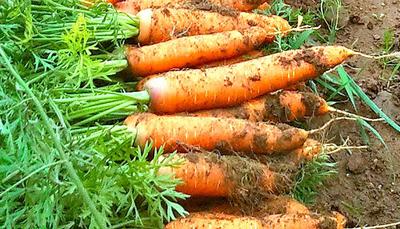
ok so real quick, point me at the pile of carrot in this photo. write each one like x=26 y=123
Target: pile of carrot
x=215 y=99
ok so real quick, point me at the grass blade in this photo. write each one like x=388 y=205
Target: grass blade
x=301 y=39
x=345 y=82
x=363 y=133
x=373 y=106
x=373 y=130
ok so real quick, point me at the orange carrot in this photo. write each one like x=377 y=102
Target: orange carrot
x=162 y=24
x=206 y=174
x=199 y=89
x=226 y=135
x=241 y=5
x=194 y=50
x=308 y=151
x=283 y=205
x=248 y=56
x=287 y=221
x=292 y=160
x=284 y=106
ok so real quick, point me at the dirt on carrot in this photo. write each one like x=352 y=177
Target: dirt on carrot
x=312 y=103
x=246 y=175
x=313 y=57
x=274 y=108
x=289 y=163
x=166 y=23
x=283 y=106
x=246 y=179
x=212 y=133
x=173 y=92
x=193 y=51
x=288 y=221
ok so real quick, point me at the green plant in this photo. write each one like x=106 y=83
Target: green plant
x=393 y=64
x=330 y=12
x=311 y=178
x=352 y=209
x=341 y=84
x=54 y=174
x=280 y=8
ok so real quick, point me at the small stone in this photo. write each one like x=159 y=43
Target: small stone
x=374 y=7
x=379 y=186
x=370 y=26
x=371 y=185
x=354 y=19
x=383 y=4
x=375 y=160
x=356 y=164
x=376 y=37
x=394 y=2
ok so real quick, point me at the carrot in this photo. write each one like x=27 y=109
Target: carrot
x=291 y=161
x=192 y=90
x=162 y=24
x=226 y=135
x=194 y=50
x=135 y=6
x=283 y=205
x=284 y=106
x=287 y=221
x=248 y=56
x=206 y=174
x=308 y=151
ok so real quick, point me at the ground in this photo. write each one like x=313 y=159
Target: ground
x=367 y=187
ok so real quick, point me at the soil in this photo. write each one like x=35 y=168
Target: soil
x=367 y=187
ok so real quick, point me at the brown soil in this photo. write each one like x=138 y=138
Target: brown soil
x=367 y=188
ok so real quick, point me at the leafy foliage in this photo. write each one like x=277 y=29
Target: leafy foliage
x=311 y=178
x=53 y=174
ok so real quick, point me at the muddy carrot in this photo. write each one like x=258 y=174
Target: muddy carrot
x=210 y=175
x=284 y=106
x=307 y=152
x=287 y=221
x=162 y=24
x=200 y=89
x=225 y=135
x=292 y=160
x=194 y=50
x=241 y=5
